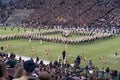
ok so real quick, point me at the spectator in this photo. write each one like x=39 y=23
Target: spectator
x=78 y=60
x=64 y=54
x=107 y=74
x=2 y=71
x=44 y=76
x=29 y=67
x=18 y=72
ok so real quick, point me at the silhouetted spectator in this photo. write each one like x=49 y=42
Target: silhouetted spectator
x=64 y=54
x=78 y=60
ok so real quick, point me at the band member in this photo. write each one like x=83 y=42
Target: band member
x=47 y=52
x=116 y=54
x=85 y=59
x=30 y=40
x=32 y=50
x=59 y=59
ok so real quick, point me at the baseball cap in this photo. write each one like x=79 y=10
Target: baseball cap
x=29 y=66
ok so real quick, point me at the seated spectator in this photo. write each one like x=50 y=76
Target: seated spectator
x=18 y=73
x=2 y=71
x=44 y=76
x=29 y=67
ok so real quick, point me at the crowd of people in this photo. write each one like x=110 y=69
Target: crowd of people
x=5 y=11
x=69 y=13
x=95 y=19
x=76 y=12
x=88 y=35
x=12 y=68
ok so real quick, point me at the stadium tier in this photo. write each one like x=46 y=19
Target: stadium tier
x=99 y=13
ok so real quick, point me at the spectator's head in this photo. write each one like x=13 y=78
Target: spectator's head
x=12 y=55
x=44 y=76
x=11 y=63
x=29 y=66
x=107 y=70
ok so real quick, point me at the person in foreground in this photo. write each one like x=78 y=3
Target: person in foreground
x=29 y=67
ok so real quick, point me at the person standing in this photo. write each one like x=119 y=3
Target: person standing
x=48 y=52
x=64 y=54
x=28 y=69
x=116 y=54
x=78 y=60
x=59 y=59
x=102 y=60
x=29 y=39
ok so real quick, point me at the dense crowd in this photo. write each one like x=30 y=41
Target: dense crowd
x=98 y=13
x=98 y=19
x=5 y=11
x=12 y=68
x=80 y=13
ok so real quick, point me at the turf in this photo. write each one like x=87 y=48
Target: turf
x=92 y=51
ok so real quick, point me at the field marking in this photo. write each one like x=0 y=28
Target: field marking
x=113 y=56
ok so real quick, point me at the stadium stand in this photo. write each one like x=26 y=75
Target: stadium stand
x=65 y=13
x=13 y=68
x=18 y=16
x=81 y=14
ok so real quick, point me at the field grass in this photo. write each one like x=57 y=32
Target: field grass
x=92 y=51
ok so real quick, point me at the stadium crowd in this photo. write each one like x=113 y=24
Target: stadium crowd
x=12 y=68
x=5 y=11
x=99 y=18
x=98 y=13
x=76 y=13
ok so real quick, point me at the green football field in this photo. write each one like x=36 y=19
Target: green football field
x=92 y=51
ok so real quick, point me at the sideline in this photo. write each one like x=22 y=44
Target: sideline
x=28 y=58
